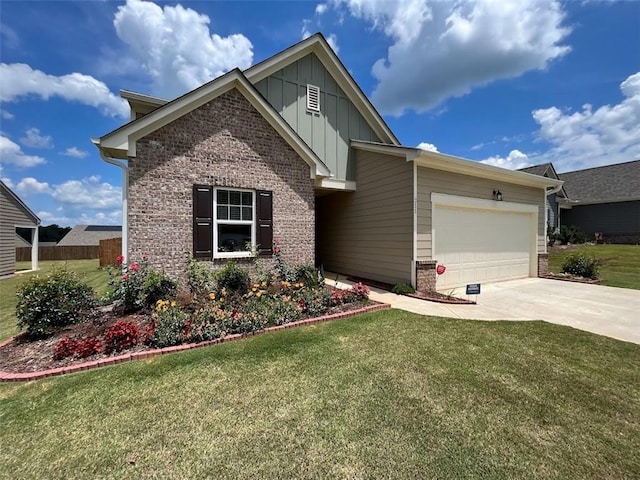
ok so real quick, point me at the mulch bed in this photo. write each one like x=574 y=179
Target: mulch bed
x=430 y=297
x=565 y=277
x=23 y=355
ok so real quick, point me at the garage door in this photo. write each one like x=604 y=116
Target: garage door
x=483 y=244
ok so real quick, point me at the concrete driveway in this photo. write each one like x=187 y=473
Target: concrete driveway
x=614 y=312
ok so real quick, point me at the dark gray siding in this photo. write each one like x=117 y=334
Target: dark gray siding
x=620 y=218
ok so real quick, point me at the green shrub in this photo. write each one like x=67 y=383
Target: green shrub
x=205 y=325
x=402 y=289
x=46 y=304
x=233 y=278
x=283 y=310
x=158 y=285
x=169 y=325
x=581 y=265
x=314 y=302
x=310 y=275
x=571 y=234
x=200 y=278
x=127 y=285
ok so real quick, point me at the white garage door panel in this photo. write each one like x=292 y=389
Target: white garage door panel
x=481 y=245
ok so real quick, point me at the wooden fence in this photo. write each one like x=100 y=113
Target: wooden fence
x=109 y=251
x=23 y=254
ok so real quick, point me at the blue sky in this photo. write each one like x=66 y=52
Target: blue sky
x=510 y=84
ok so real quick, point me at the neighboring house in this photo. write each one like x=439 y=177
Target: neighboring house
x=15 y=214
x=556 y=198
x=605 y=200
x=21 y=242
x=89 y=235
x=291 y=149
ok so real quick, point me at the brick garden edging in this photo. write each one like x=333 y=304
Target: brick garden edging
x=103 y=362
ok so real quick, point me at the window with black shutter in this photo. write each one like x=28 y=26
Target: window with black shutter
x=202 y=221
x=228 y=222
x=264 y=234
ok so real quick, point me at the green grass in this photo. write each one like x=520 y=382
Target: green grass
x=620 y=264
x=88 y=270
x=384 y=395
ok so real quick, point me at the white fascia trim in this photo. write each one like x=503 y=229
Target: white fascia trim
x=462 y=166
x=577 y=203
x=414 y=280
x=481 y=203
x=316 y=44
x=333 y=184
x=124 y=139
x=142 y=98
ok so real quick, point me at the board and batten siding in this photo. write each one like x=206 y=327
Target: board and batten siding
x=327 y=132
x=13 y=215
x=369 y=233
x=439 y=181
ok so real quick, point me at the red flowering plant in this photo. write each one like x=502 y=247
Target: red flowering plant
x=120 y=336
x=79 y=348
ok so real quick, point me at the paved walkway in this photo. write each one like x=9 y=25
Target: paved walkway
x=614 y=312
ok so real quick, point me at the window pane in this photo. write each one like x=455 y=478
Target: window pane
x=223 y=196
x=234 y=213
x=234 y=197
x=246 y=198
x=234 y=238
x=247 y=213
x=223 y=212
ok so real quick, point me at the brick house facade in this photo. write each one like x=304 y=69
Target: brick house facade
x=223 y=143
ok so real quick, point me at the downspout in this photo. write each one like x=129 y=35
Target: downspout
x=125 y=197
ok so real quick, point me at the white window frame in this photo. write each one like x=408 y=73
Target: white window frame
x=216 y=222
x=311 y=108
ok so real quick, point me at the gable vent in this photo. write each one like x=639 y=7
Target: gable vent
x=313 y=98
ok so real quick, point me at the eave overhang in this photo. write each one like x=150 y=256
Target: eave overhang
x=121 y=143
x=449 y=163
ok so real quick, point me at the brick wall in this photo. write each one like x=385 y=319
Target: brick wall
x=426 y=276
x=543 y=264
x=225 y=142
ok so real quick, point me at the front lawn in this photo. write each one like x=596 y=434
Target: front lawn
x=384 y=395
x=88 y=270
x=620 y=264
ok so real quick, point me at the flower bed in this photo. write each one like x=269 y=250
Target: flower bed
x=148 y=312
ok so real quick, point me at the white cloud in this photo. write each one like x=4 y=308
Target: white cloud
x=30 y=185
x=332 y=40
x=429 y=147
x=304 y=32
x=175 y=46
x=515 y=160
x=88 y=193
x=445 y=49
x=593 y=137
x=321 y=8
x=33 y=139
x=8 y=182
x=6 y=115
x=18 y=80
x=75 y=152
x=12 y=154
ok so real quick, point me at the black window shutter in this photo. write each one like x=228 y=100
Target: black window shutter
x=264 y=222
x=203 y=221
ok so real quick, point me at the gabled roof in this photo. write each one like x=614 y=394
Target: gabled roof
x=544 y=170
x=318 y=45
x=86 y=235
x=612 y=183
x=121 y=143
x=20 y=203
x=449 y=163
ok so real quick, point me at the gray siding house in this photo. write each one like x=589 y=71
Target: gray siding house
x=15 y=214
x=605 y=200
x=291 y=150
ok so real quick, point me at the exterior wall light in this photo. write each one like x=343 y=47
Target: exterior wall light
x=497 y=195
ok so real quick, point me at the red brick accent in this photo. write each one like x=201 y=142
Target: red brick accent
x=225 y=142
x=543 y=264
x=426 y=276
